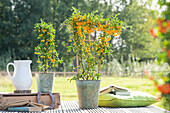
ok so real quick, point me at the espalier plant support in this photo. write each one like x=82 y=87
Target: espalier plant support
x=90 y=53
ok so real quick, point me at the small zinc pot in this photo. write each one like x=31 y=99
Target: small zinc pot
x=44 y=82
x=88 y=93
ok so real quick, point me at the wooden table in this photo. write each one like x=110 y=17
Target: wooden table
x=72 y=107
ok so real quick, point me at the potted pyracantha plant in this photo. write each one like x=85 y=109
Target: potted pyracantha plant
x=47 y=56
x=89 y=52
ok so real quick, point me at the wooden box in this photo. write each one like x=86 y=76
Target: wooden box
x=45 y=98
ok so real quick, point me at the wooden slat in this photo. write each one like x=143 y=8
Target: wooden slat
x=76 y=106
x=155 y=109
x=63 y=107
x=102 y=110
x=145 y=110
x=115 y=110
x=126 y=110
x=59 y=110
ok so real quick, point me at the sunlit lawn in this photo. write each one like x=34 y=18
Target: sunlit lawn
x=68 y=91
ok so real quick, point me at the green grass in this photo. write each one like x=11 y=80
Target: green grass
x=68 y=91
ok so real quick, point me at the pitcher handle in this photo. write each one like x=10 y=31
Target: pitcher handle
x=8 y=69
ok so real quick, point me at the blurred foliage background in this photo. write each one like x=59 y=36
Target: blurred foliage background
x=18 y=17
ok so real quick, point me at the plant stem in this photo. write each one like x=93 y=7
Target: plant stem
x=45 y=71
x=88 y=59
x=99 y=66
x=77 y=62
x=89 y=47
x=82 y=66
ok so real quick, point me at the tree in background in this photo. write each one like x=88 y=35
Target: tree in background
x=138 y=42
x=17 y=22
x=6 y=17
x=17 y=19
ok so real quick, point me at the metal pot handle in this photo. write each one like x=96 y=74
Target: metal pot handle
x=52 y=97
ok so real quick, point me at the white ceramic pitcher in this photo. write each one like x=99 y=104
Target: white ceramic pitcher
x=22 y=77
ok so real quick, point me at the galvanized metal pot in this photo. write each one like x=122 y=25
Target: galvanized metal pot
x=88 y=93
x=44 y=82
